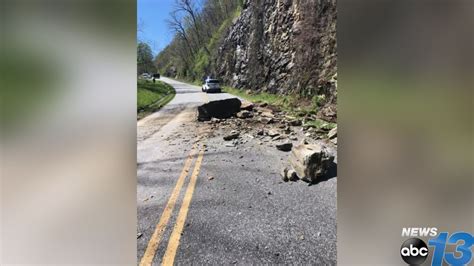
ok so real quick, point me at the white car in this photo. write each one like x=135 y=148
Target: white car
x=145 y=76
x=211 y=85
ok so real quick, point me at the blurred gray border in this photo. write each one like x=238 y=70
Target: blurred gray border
x=405 y=122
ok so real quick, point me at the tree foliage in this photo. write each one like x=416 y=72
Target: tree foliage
x=197 y=27
x=144 y=59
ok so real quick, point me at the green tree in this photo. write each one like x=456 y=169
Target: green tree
x=144 y=59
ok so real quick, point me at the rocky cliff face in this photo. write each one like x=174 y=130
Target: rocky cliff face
x=283 y=46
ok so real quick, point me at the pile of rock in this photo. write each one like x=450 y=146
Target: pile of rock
x=239 y=122
x=261 y=122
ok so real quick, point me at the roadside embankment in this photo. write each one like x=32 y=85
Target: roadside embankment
x=152 y=96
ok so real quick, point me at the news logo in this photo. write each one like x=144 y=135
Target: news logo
x=451 y=249
x=414 y=251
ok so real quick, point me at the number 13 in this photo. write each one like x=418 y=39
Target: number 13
x=439 y=244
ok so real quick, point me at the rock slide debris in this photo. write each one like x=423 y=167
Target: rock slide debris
x=240 y=122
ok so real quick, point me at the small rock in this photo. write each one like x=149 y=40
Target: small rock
x=295 y=123
x=293 y=138
x=332 y=133
x=260 y=132
x=210 y=178
x=284 y=146
x=272 y=133
x=148 y=198
x=334 y=140
x=230 y=145
x=267 y=114
x=276 y=138
x=244 y=114
x=266 y=120
x=246 y=106
x=231 y=136
x=139 y=235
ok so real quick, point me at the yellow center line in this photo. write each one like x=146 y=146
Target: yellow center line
x=155 y=239
x=170 y=254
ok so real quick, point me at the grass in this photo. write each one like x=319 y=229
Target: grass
x=282 y=101
x=292 y=105
x=152 y=96
x=319 y=123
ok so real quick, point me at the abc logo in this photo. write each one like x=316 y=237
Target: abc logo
x=414 y=251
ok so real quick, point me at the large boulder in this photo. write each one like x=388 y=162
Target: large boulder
x=218 y=109
x=310 y=161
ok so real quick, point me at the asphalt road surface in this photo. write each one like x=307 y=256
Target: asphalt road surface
x=202 y=202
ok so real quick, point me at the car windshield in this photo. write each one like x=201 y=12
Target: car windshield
x=213 y=81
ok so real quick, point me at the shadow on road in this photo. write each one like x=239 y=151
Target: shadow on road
x=332 y=173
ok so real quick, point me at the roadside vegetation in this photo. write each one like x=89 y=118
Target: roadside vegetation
x=145 y=59
x=198 y=31
x=295 y=106
x=152 y=96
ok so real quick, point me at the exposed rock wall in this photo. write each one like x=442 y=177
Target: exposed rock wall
x=283 y=46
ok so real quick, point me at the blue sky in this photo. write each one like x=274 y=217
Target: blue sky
x=152 y=15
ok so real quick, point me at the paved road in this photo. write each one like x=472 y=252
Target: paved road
x=201 y=202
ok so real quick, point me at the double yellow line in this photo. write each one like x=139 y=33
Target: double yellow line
x=170 y=253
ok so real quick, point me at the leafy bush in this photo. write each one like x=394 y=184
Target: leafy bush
x=318 y=100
